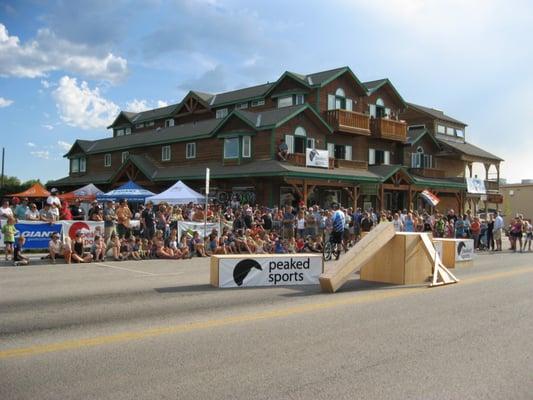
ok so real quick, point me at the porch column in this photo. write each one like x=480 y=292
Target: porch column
x=470 y=169
x=487 y=168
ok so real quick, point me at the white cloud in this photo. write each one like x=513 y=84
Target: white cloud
x=48 y=126
x=44 y=154
x=64 y=145
x=5 y=102
x=83 y=107
x=47 y=53
x=30 y=144
x=142 y=105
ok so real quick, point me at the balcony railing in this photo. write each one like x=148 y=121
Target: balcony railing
x=298 y=159
x=349 y=121
x=391 y=129
x=492 y=186
x=354 y=164
x=428 y=172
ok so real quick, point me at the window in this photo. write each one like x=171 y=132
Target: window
x=450 y=131
x=74 y=165
x=415 y=127
x=120 y=132
x=372 y=110
x=347 y=152
x=242 y=106
x=231 y=148
x=246 y=146
x=222 y=113
x=460 y=133
x=380 y=108
x=257 y=103
x=299 y=99
x=169 y=123
x=139 y=126
x=149 y=123
x=107 y=160
x=441 y=129
x=165 y=153
x=289 y=139
x=339 y=152
x=310 y=143
x=284 y=101
x=386 y=157
x=300 y=144
x=125 y=156
x=190 y=150
x=421 y=160
x=300 y=131
x=371 y=156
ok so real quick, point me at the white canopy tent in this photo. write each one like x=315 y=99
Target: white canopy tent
x=179 y=193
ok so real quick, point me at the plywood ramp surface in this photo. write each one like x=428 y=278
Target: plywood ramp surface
x=338 y=272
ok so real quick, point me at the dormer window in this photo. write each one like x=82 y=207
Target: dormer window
x=242 y=106
x=257 y=103
x=285 y=101
x=119 y=132
x=441 y=129
x=78 y=164
x=139 y=126
x=339 y=101
x=169 y=123
x=460 y=133
x=127 y=131
x=222 y=113
x=150 y=123
x=450 y=131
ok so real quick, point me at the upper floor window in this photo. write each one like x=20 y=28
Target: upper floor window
x=231 y=147
x=107 y=160
x=119 y=132
x=242 y=106
x=222 y=113
x=299 y=99
x=450 y=131
x=165 y=153
x=257 y=103
x=285 y=101
x=127 y=131
x=441 y=129
x=421 y=160
x=190 y=150
x=125 y=156
x=381 y=111
x=139 y=126
x=339 y=101
x=246 y=146
x=378 y=157
x=169 y=122
x=460 y=133
x=149 y=123
x=78 y=164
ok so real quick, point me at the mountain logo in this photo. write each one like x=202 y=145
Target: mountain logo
x=460 y=247
x=312 y=154
x=243 y=268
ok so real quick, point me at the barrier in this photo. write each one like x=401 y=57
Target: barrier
x=248 y=270
x=37 y=233
x=455 y=251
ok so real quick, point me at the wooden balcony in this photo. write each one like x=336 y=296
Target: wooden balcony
x=428 y=172
x=348 y=121
x=492 y=186
x=384 y=128
x=298 y=159
x=354 y=164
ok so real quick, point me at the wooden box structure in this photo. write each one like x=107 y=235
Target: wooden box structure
x=403 y=261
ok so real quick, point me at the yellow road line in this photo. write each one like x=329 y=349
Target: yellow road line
x=238 y=319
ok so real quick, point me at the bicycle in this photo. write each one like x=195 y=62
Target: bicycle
x=332 y=248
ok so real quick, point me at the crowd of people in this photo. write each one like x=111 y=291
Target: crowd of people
x=240 y=228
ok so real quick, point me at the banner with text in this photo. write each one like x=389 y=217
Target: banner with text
x=89 y=229
x=191 y=227
x=297 y=269
x=37 y=233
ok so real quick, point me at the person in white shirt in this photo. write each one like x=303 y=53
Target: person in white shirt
x=5 y=210
x=397 y=223
x=33 y=214
x=497 y=231
x=53 y=199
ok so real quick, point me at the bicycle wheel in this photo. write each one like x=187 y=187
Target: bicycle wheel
x=328 y=250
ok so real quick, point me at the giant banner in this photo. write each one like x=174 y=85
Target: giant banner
x=272 y=270
x=37 y=233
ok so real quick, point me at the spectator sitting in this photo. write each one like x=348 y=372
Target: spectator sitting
x=283 y=150
x=33 y=214
x=79 y=255
x=46 y=214
x=5 y=210
x=54 y=247
x=21 y=209
x=18 y=257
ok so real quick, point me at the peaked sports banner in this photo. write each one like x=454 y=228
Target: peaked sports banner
x=274 y=270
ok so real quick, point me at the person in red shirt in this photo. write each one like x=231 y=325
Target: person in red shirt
x=65 y=213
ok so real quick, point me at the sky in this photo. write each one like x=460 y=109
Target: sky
x=68 y=67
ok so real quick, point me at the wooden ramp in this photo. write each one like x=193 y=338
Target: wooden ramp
x=338 y=272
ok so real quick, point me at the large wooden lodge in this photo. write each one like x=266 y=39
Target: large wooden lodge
x=382 y=150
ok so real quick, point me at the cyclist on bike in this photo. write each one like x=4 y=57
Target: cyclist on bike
x=339 y=221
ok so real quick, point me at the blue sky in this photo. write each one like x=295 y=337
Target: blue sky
x=67 y=67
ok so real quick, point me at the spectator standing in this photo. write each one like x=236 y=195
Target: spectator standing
x=53 y=198
x=397 y=223
x=110 y=220
x=77 y=212
x=490 y=232
x=8 y=231
x=367 y=223
x=65 y=213
x=497 y=233
x=21 y=209
x=5 y=210
x=123 y=219
x=475 y=229
x=288 y=223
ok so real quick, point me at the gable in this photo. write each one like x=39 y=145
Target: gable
x=192 y=103
x=233 y=123
x=288 y=85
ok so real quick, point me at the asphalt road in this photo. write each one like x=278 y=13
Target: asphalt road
x=156 y=330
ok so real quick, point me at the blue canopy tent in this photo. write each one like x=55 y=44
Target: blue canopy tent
x=129 y=191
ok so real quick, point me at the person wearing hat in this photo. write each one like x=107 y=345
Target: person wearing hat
x=53 y=198
x=78 y=252
x=54 y=247
x=148 y=221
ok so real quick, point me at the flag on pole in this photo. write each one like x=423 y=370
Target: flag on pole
x=430 y=197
